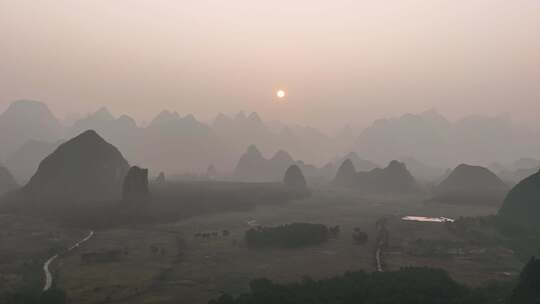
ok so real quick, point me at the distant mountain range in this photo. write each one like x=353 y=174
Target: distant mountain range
x=517 y=170
x=433 y=139
x=180 y=144
x=253 y=166
x=171 y=142
x=25 y=120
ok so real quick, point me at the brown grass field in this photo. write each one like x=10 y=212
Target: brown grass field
x=189 y=269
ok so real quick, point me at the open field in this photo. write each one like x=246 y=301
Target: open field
x=189 y=269
x=25 y=243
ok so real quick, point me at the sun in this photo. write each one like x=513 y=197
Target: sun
x=280 y=94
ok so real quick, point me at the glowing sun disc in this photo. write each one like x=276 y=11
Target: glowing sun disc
x=280 y=94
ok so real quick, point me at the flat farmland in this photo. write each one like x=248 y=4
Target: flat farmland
x=170 y=263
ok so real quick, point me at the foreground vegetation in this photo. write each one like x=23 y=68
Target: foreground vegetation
x=408 y=285
x=405 y=286
x=145 y=277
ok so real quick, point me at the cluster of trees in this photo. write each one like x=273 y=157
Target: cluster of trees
x=359 y=236
x=287 y=236
x=412 y=285
x=405 y=286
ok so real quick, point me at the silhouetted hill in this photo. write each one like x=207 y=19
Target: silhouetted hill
x=160 y=143
x=27 y=120
x=359 y=163
x=135 y=188
x=85 y=168
x=168 y=135
x=346 y=174
x=241 y=130
x=122 y=132
x=522 y=204
x=253 y=167
x=294 y=178
x=24 y=162
x=394 y=179
x=250 y=165
x=527 y=290
x=471 y=185
x=329 y=171
x=7 y=182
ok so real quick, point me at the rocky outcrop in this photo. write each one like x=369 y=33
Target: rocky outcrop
x=85 y=168
x=522 y=204
x=294 y=178
x=7 y=182
x=394 y=179
x=471 y=185
x=135 y=188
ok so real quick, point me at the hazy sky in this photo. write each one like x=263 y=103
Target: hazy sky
x=339 y=61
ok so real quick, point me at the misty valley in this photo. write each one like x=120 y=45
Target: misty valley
x=180 y=211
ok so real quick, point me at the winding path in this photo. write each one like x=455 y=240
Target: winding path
x=48 y=275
